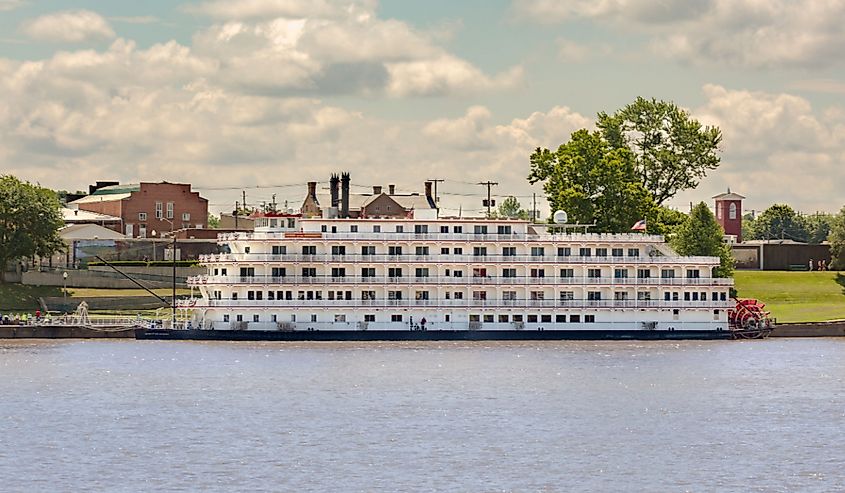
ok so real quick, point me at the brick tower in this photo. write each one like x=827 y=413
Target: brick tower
x=729 y=213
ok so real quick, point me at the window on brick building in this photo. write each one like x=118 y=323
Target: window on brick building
x=142 y=216
x=159 y=209
x=186 y=216
x=170 y=210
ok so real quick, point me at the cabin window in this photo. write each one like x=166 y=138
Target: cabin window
x=488 y=319
x=532 y=319
x=255 y=318
x=560 y=319
x=225 y=317
x=589 y=319
x=575 y=319
x=503 y=319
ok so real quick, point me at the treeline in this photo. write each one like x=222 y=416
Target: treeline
x=782 y=222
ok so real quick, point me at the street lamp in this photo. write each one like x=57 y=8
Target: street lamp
x=173 y=255
x=64 y=287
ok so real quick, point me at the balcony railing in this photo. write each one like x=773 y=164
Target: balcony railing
x=596 y=238
x=259 y=258
x=444 y=303
x=470 y=280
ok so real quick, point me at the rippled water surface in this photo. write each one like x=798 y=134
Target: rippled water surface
x=567 y=416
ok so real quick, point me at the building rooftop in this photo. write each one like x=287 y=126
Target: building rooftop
x=82 y=216
x=101 y=198
x=728 y=196
x=118 y=189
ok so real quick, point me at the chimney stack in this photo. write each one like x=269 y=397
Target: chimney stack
x=344 y=195
x=428 y=196
x=376 y=189
x=312 y=189
x=392 y=189
x=334 y=185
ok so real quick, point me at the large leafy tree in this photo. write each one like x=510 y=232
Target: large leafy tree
x=673 y=150
x=702 y=235
x=593 y=182
x=818 y=227
x=511 y=208
x=837 y=241
x=780 y=222
x=30 y=217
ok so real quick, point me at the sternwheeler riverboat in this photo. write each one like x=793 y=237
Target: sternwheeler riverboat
x=385 y=266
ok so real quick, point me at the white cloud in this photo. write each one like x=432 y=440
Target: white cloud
x=777 y=148
x=263 y=9
x=573 y=51
x=7 y=5
x=752 y=33
x=444 y=75
x=137 y=19
x=73 y=26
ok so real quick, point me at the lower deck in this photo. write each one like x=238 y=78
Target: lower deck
x=428 y=335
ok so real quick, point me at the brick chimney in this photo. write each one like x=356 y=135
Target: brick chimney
x=428 y=196
x=391 y=189
x=344 y=195
x=376 y=189
x=334 y=185
x=312 y=189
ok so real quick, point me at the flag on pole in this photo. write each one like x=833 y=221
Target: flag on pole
x=639 y=226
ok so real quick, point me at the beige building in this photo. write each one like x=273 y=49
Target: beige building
x=338 y=202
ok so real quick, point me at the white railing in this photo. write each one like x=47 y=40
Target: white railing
x=300 y=236
x=462 y=259
x=443 y=303
x=470 y=280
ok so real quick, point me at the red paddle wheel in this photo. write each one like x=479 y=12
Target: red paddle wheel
x=749 y=319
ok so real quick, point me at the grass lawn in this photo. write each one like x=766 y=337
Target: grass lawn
x=796 y=296
x=19 y=297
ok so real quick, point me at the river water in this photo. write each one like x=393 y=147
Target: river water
x=560 y=416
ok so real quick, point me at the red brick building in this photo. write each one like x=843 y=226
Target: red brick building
x=147 y=207
x=729 y=213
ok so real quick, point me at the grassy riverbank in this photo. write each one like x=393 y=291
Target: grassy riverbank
x=796 y=296
x=22 y=298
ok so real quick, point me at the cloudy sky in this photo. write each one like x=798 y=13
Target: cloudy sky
x=227 y=94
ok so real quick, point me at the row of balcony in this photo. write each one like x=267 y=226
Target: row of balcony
x=448 y=280
x=599 y=239
x=462 y=259
x=443 y=303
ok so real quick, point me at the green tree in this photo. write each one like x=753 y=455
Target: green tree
x=837 y=241
x=818 y=227
x=749 y=227
x=780 y=222
x=667 y=222
x=593 y=183
x=213 y=221
x=702 y=235
x=30 y=218
x=511 y=208
x=673 y=150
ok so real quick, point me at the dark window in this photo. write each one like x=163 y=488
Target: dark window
x=509 y=251
x=601 y=252
x=593 y=273
x=616 y=252
x=420 y=228
x=338 y=250
x=643 y=273
x=532 y=319
x=561 y=319
x=368 y=250
x=444 y=229
x=396 y=318
x=585 y=252
x=546 y=319
x=479 y=251
x=620 y=273
x=567 y=273
x=575 y=319
x=589 y=319
x=394 y=250
x=504 y=230
x=369 y=318
x=480 y=230
x=457 y=229
x=633 y=252
x=564 y=251
x=537 y=251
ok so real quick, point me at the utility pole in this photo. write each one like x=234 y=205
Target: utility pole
x=236 y=214
x=534 y=208
x=489 y=201
x=244 y=202
x=435 y=181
